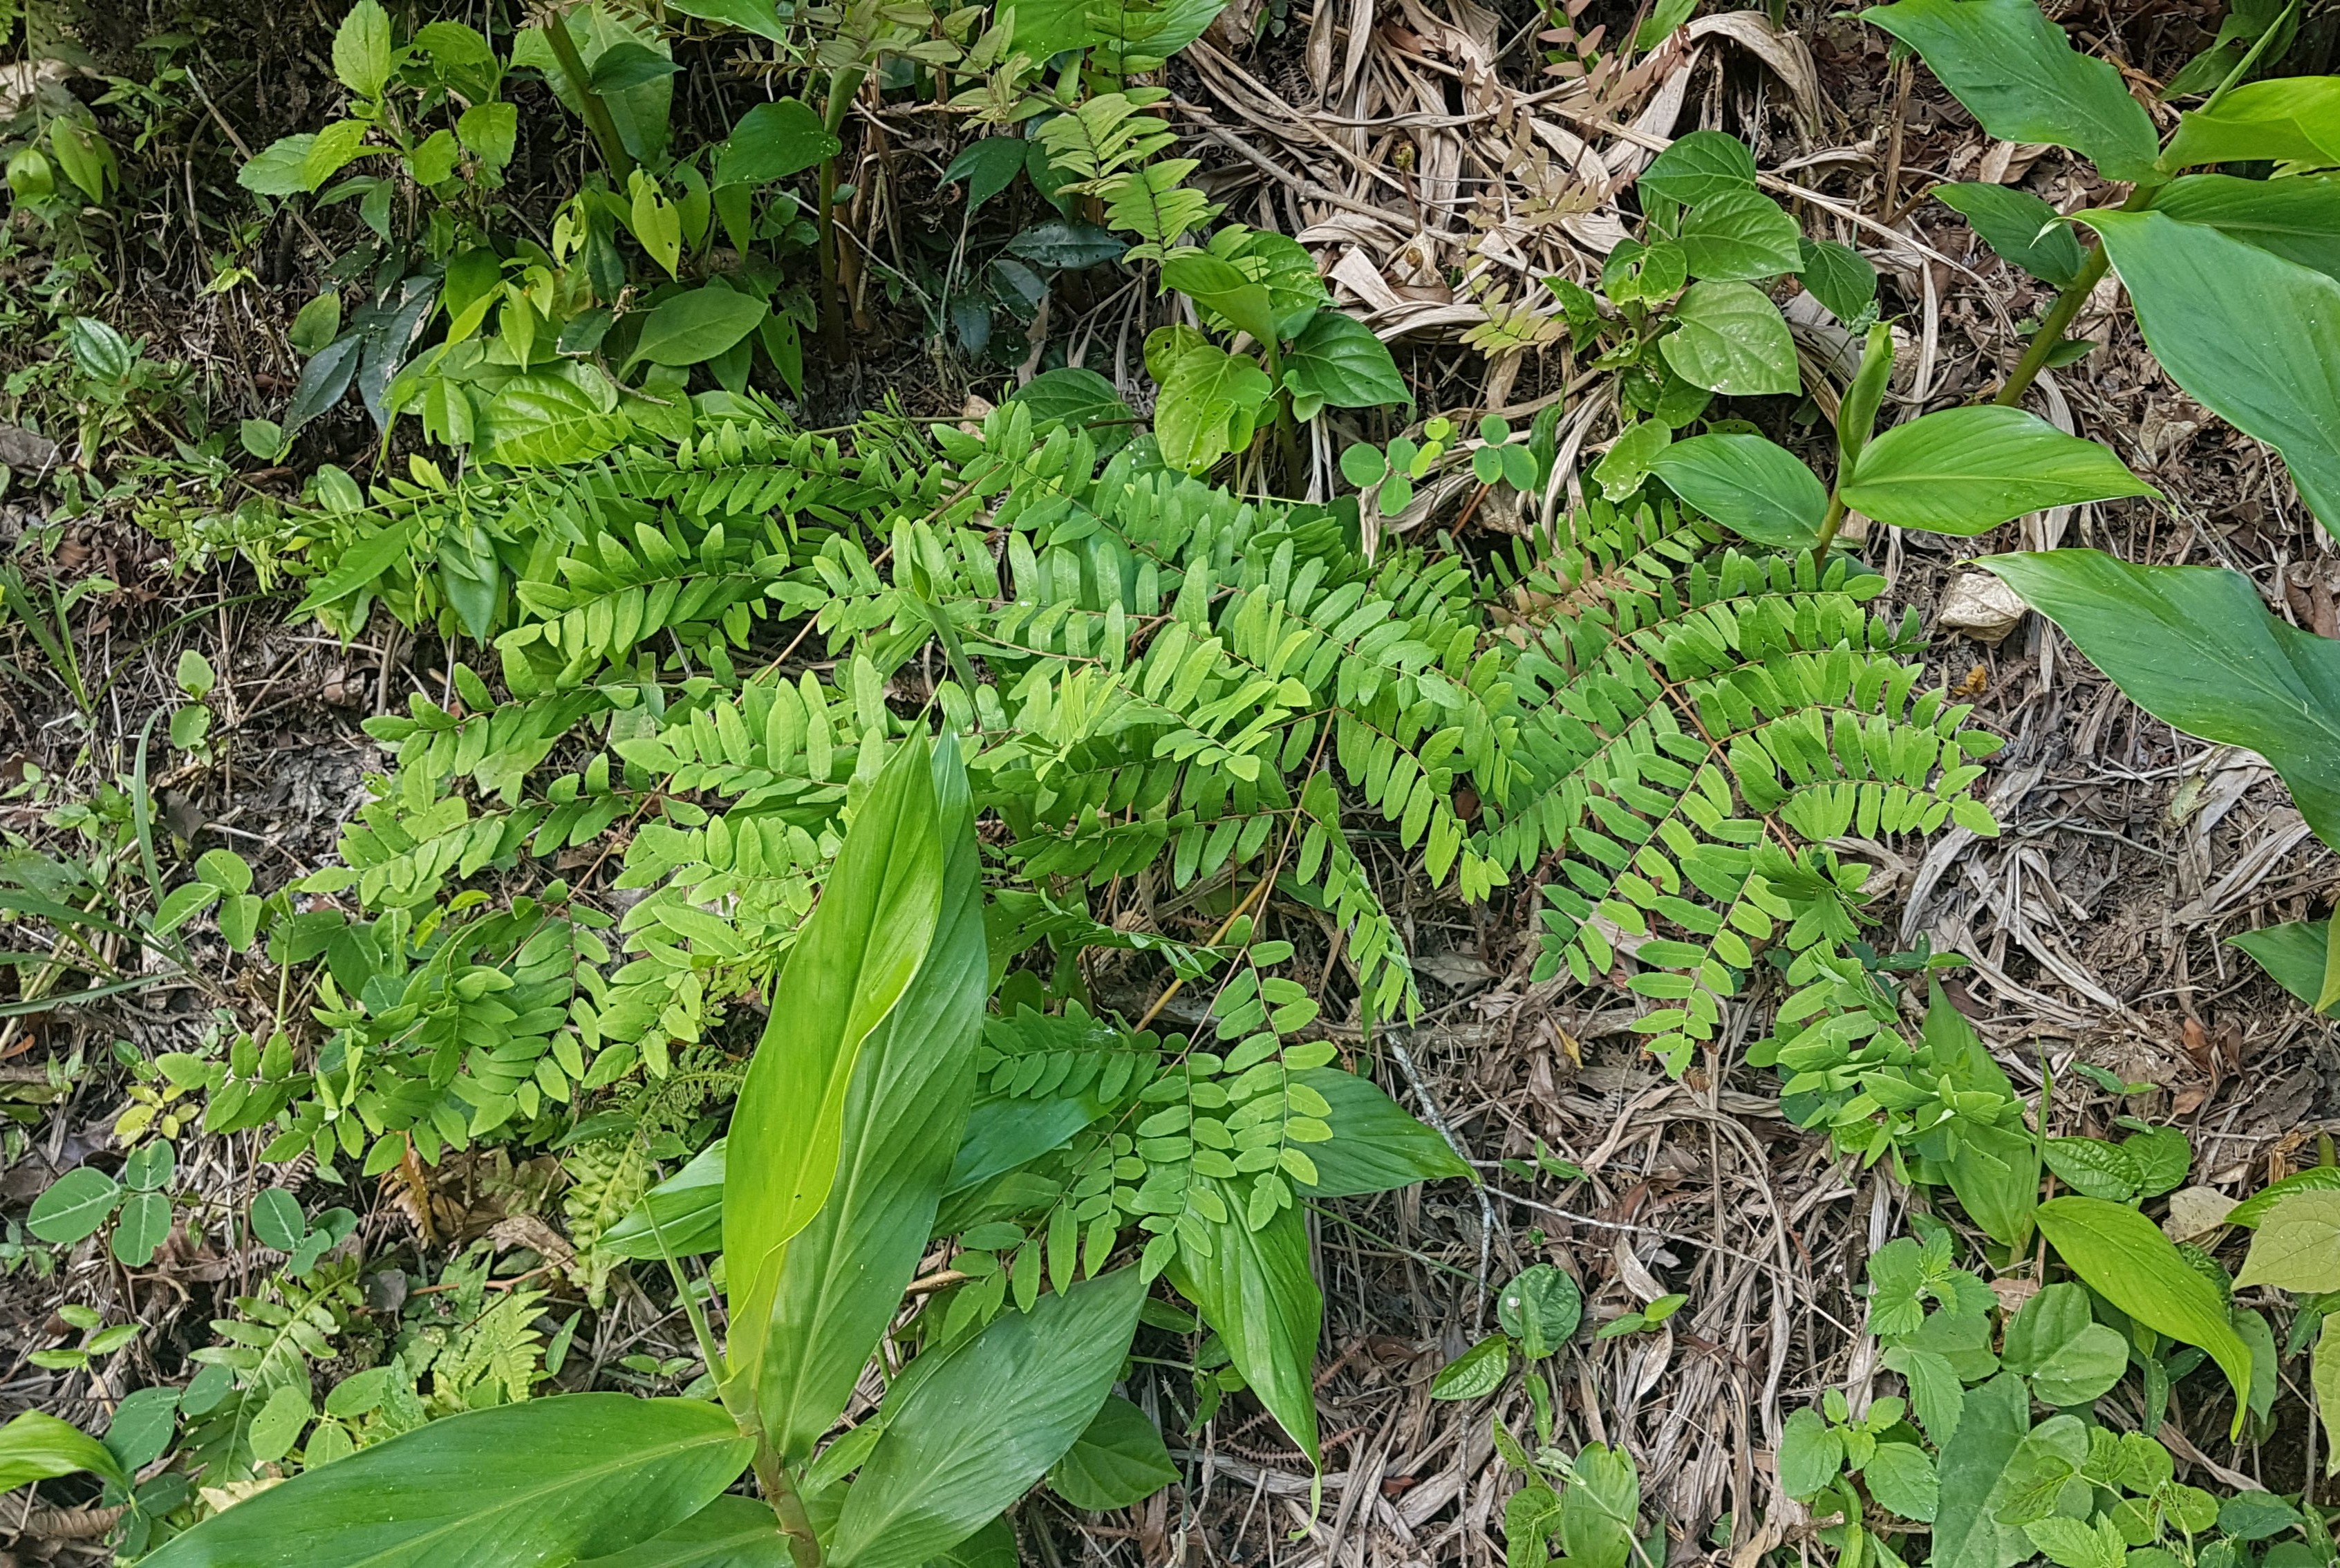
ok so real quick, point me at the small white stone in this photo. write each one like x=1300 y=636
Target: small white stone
x=1982 y=607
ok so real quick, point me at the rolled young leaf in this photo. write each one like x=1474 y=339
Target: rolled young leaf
x=2194 y=647
x=842 y=1278
x=1964 y=469
x=853 y=960
x=2124 y=1257
x=2021 y=77
x=545 y=1482
x=972 y=1435
x=2253 y=338
x=1754 y=487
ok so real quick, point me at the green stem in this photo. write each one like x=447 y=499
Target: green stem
x=596 y=111
x=788 y=1506
x=2051 y=329
x=1828 y=526
x=842 y=86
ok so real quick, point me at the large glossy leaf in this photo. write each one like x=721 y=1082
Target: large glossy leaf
x=2298 y=219
x=1216 y=285
x=1754 y=487
x=694 y=327
x=2195 y=646
x=1731 y=338
x=761 y=17
x=2124 y=1257
x=773 y=141
x=2285 y=119
x=2256 y=338
x=2296 y=954
x=1740 y=235
x=1255 y=1289
x=974 y=1434
x=1375 y=1146
x=1964 y=469
x=1701 y=164
x=544 y=1482
x=2021 y=77
x=1078 y=397
x=640 y=112
x=1992 y=1424
x=729 y=1532
x=681 y=1216
x=854 y=959
x=842 y=1280
x=1208 y=407
x=2019 y=227
x=35 y=1446
x=542 y=421
x=1119 y=1460
x=1337 y=362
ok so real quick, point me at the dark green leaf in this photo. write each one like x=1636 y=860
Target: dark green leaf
x=1839 y=277
x=988 y=167
x=144 y=1227
x=1218 y=288
x=324 y=380
x=2021 y=227
x=1376 y=1147
x=542 y=421
x=1066 y=244
x=141 y=1426
x=2043 y=1474
x=1740 y=235
x=2256 y=338
x=2021 y=77
x=773 y=141
x=692 y=327
x=761 y=17
x=74 y=1207
x=842 y=1278
x=2296 y=218
x=629 y=65
x=1996 y=1418
x=2195 y=646
x=2056 y=1343
x=1811 y=1454
x=2288 y=119
x=853 y=961
x=1118 y=1460
x=1476 y=1373
x=2295 y=955
x=1254 y=1288
x=1754 y=487
x=540 y=1482
x=971 y=1436
x=2255 y=1516
x=2124 y=1257
x=729 y=1532
x=1729 y=338
x=1337 y=362
x=1541 y=1309
x=1073 y=397
x=1701 y=164
x=2094 y=1168
x=1964 y=469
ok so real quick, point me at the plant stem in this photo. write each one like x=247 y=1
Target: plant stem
x=842 y=86
x=2051 y=328
x=787 y=1507
x=589 y=104
x=1828 y=526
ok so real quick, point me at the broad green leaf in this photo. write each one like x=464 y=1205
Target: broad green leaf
x=1996 y=1418
x=2056 y=1343
x=2043 y=1474
x=973 y=1434
x=2298 y=956
x=2070 y=1543
x=1839 y=277
x=2253 y=1210
x=988 y=167
x=692 y=328
x=761 y=17
x=2255 y=1516
x=2296 y=218
x=1255 y=1289
x=1476 y=1373
x=1219 y=290
x=1995 y=1170
x=775 y=139
x=2298 y=1248
x=1066 y=246
x=1700 y=165
x=1600 y=1510
x=2019 y=227
x=1280 y=264
x=640 y=112
x=1900 y=1476
x=1754 y=487
x=1073 y=397
x=1119 y=1460
x=277 y=170
x=1631 y=457
x=38 y=1447
x=1966 y=469
x=1337 y=362
x=144 y=1227
x=2254 y=337
x=2325 y=1373
x=491 y=131
x=1541 y=1309
x=2095 y=1168
x=141 y=1426
x=361 y=56
x=854 y=959
x=1376 y=1147
x=545 y=1483
x=685 y=1211
x=2019 y=75
x=1738 y=235
x=337 y=147
x=1810 y=1456
x=730 y=1532
x=2284 y=119
x=842 y=1278
x=1209 y=405
x=74 y=1205
x=2195 y=646
x=2124 y=1257
x=1730 y=338
x=537 y=420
